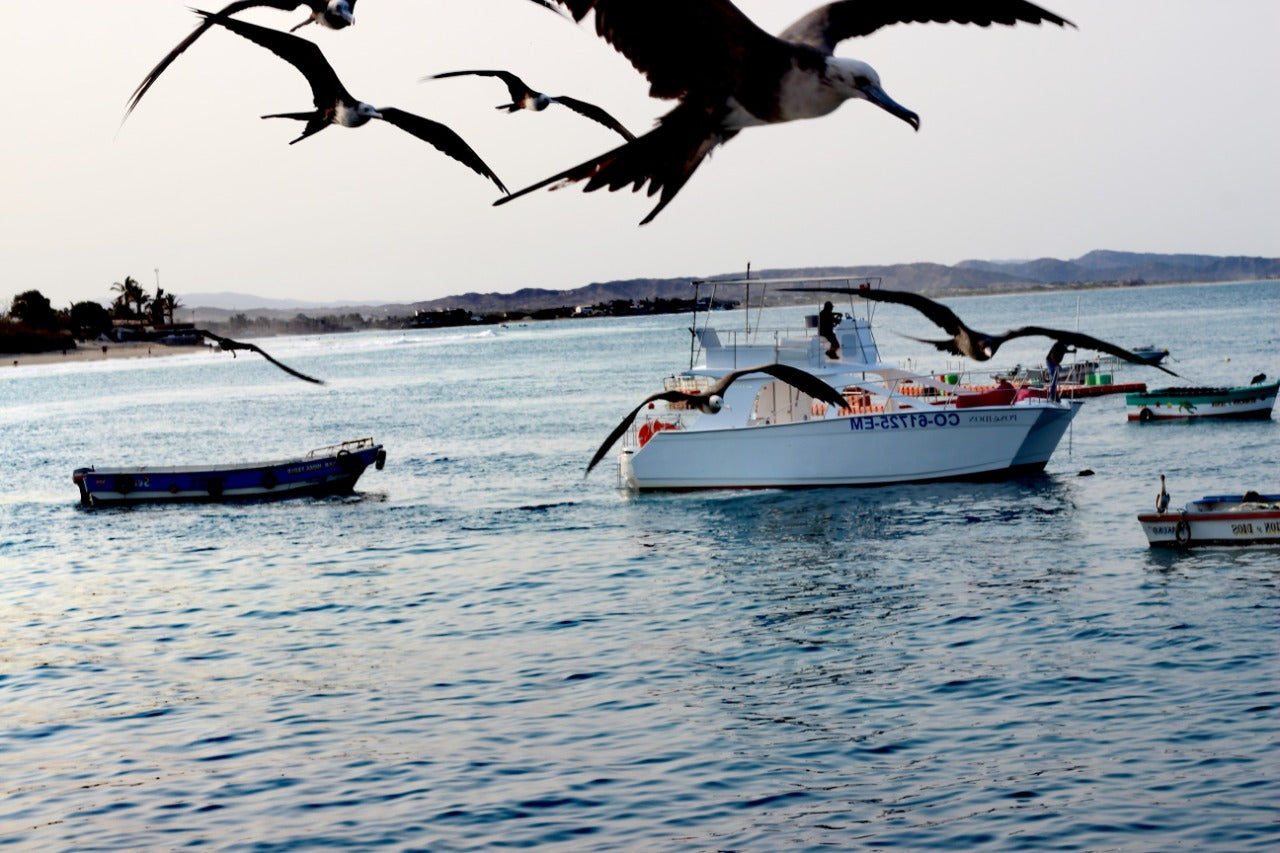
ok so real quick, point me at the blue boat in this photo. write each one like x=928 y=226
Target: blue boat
x=324 y=471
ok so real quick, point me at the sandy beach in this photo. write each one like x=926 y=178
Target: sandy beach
x=98 y=352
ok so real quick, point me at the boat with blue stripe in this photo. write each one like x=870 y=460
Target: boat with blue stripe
x=329 y=470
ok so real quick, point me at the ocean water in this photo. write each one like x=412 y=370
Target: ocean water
x=481 y=649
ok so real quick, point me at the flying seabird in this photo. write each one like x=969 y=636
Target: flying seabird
x=977 y=345
x=728 y=74
x=228 y=345
x=525 y=98
x=335 y=105
x=334 y=14
x=711 y=400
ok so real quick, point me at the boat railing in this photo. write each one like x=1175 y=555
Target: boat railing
x=733 y=349
x=334 y=449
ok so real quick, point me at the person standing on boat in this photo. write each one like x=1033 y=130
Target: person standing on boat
x=1053 y=361
x=828 y=319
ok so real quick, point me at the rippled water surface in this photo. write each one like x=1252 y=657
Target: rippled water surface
x=481 y=649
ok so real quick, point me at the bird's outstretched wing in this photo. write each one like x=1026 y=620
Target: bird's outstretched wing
x=231 y=346
x=793 y=376
x=629 y=419
x=226 y=11
x=596 y=114
x=303 y=55
x=515 y=86
x=826 y=26
x=443 y=138
x=1082 y=341
x=684 y=44
x=939 y=314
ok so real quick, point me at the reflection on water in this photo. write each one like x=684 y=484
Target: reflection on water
x=482 y=648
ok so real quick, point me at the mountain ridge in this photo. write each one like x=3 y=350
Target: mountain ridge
x=1100 y=267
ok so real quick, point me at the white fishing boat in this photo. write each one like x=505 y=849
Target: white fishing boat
x=1248 y=519
x=898 y=426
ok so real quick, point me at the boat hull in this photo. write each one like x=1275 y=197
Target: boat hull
x=1191 y=529
x=992 y=443
x=1253 y=402
x=313 y=475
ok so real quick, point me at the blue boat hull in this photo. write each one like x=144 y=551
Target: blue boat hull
x=333 y=472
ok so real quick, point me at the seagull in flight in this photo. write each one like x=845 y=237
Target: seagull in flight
x=981 y=346
x=228 y=345
x=335 y=105
x=334 y=14
x=728 y=75
x=711 y=400
x=523 y=97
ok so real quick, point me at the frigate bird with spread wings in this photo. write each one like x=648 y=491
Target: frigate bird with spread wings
x=524 y=97
x=333 y=14
x=711 y=400
x=981 y=346
x=335 y=105
x=228 y=345
x=728 y=75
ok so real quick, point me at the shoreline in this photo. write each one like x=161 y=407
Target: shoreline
x=98 y=352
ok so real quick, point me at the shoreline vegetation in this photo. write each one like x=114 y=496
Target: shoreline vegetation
x=92 y=351
x=137 y=325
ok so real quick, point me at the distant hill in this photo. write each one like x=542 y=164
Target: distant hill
x=1097 y=268
x=1105 y=266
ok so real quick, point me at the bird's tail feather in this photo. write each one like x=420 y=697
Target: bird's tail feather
x=307 y=116
x=315 y=123
x=945 y=345
x=664 y=158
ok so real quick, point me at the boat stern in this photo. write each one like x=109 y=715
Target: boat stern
x=1045 y=434
x=78 y=477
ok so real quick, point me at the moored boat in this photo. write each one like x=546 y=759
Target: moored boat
x=1249 y=402
x=1094 y=378
x=1247 y=519
x=324 y=471
x=898 y=426
x=1151 y=352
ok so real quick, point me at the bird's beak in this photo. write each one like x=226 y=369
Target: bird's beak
x=881 y=99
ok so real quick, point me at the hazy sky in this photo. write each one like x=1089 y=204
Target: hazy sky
x=1153 y=127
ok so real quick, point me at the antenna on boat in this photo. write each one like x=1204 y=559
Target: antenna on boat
x=694 y=343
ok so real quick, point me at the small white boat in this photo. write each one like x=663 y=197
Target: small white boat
x=1248 y=519
x=898 y=426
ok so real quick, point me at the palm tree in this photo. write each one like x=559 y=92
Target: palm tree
x=120 y=305
x=130 y=294
x=169 y=304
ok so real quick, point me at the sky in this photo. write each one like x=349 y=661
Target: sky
x=1154 y=127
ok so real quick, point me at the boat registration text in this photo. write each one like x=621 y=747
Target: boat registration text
x=911 y=420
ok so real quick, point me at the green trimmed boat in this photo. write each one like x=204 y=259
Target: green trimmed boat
x=1249 y=402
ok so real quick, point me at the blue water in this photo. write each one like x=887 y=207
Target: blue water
x=481 y=649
